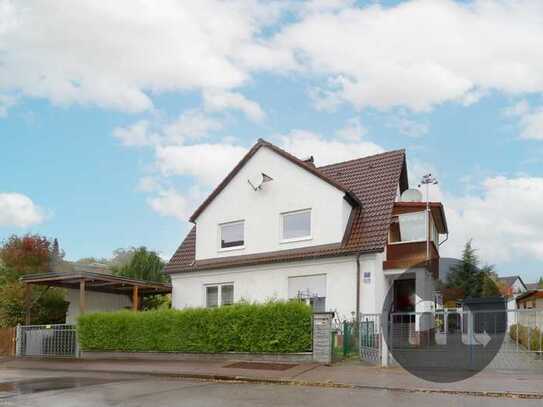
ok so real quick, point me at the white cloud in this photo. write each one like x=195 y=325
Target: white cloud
x=208 y=163
x=171 y=203
x=408 y=127
x=114 y=54
x=191 y=125
x=530 y=119
x=532 y=125
x=6 y=101
x=148 y=184
x=218 y=100
x=421 y=53
x=505 y=220
x=135 y=135
x=352 y=131
x=303 y=143
x=417 y=54
x=19 y=210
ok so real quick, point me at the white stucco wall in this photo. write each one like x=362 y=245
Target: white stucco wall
x=266 y=282
x=292 y=188
x=373 y=292
x=94 y=302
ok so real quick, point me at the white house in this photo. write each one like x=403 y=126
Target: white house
x=337 y=236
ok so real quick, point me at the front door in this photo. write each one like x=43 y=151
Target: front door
x=404 y=295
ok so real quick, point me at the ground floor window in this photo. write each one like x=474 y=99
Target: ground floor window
x=219 y=295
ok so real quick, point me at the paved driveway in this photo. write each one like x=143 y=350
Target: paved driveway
x=44 y=389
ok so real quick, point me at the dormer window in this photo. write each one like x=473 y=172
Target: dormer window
x=232 y=235
x=296 y=225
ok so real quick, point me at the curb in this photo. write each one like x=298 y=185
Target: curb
x=295 y=382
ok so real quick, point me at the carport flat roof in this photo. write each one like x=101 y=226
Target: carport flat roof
x=101 y=282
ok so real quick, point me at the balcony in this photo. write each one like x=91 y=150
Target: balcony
x=408 y=235
x=405 y=255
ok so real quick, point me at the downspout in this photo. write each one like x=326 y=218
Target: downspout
x=358 y=289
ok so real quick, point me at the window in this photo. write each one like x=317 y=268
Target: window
x=296 y=225
x=412 y=226
x=232 y=235
x=227 y=294
x=218 y=295
x=212 y=297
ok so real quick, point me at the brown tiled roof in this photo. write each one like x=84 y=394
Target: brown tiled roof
x=372 y=181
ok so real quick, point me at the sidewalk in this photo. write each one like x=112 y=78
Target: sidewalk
x=346 y=374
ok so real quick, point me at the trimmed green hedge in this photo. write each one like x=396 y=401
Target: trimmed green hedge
x=271 y=327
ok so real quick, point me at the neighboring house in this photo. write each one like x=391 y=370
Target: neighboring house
x=337 y=236
x=512 y=287
x=530 y=305
x=532 y=299
x=532 y=286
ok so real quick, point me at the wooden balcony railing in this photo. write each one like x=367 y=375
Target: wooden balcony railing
x=411 y=254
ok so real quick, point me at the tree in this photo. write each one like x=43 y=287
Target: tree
x=25 y=255
x=470 y=279
x=540 y=283
x=143 y=264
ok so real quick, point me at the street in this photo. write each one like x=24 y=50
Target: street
x=64 y=389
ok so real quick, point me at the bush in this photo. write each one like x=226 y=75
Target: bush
x=271 y=327
x=524 y=334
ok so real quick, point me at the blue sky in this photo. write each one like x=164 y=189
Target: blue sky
x=115 y=122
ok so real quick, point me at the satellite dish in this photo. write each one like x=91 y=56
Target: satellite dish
x=411 y=195
x=265 y=178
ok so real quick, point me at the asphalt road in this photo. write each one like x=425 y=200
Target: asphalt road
x=65 y=389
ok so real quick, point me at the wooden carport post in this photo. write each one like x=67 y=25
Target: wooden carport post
x=82 y=297
x=28 y=303
x=135 y=298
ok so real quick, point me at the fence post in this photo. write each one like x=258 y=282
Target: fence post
x=18 y=341
x=322 y=337
x=346 y=338
x=385 y=339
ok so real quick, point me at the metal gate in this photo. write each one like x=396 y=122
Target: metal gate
x=47 y=341
x=370 y=338
x=418 y=339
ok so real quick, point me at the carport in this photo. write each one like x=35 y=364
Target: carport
x=85 y=281
x=87 y=291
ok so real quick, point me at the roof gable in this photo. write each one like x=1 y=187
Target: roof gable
x=351 y=197
x=373 y=181
x=510 y=280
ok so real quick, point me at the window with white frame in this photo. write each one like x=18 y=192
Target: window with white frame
x=296 y=225
x=219 y=295
x=232 y=235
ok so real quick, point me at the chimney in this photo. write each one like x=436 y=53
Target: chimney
x=310 y=160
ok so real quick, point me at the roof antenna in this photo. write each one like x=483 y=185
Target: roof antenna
x=265 y=178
